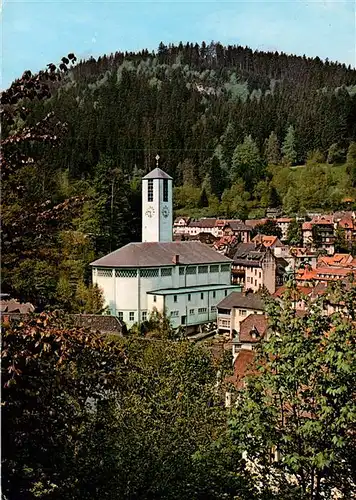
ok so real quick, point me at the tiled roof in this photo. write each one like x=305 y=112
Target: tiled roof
x=284 y=219
x=267 y=240
x=157 y=173
x=13 y=306
x=307 y=226
x=242 y=300
x=255 y=222
x=304 y=290
x=243 y=366
x=207 y=223
x=254 y=323
x=237 y=225
x=338 y=259
x=153 y=254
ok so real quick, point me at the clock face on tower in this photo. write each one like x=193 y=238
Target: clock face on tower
x=165 y=211
x=150 y=212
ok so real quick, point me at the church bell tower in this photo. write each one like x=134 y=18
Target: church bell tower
x=157 y=206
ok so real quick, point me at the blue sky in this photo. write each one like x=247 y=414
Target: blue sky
x=35 y=33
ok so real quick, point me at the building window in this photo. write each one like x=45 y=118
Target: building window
x=202 y=310
x=132 y=316
x=260 y=274
x=181 y=271
x=202 y=296
x=125 y=273
x=224 y=267
x=191 y=312
x=224 y=323
x=189 y=297
x=144 y=315
x=165 y=189
x=242 y=312
x=213 y=308
x=105 y=273
x=214 y=268
x=149 y=273
x=155 y=298
x=202 y=269
x=175 y=298
x=175 y=314
x=120 y=315
x=166 y=271
x=255 y=272
x=150 y=190
x=214 y=295
x=192 y=270
x=225 y=293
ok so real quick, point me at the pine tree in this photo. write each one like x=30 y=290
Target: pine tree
x=288 y=147
x=203 y=199
x=247 y=163
x=272 y=150
x=217 y=178
x=291 y=202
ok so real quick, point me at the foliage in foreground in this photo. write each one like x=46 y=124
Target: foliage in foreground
x=301 y=403
x=86 y=418
x=89 y=418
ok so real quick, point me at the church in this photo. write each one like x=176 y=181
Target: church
x=185 y=280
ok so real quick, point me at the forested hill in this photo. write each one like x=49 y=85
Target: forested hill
x=184 y=101
x=229 y=124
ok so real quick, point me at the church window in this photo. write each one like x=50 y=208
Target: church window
x=132 y=316
x=214 y=268
x=165 y=189
x=144 y=315
x=105 y=273
x=150 y=190
x=192 y=270
x=202 y=269
x=120 y=315
x=225 y=267
x=166 y=271
x=175 y=298
x=125 y=273
x=149 y=273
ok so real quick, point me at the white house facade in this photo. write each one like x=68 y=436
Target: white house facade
x=185 y=280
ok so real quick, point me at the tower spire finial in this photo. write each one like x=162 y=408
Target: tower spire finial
x=157 y=159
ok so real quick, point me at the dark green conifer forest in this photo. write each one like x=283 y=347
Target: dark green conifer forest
x=239 y=130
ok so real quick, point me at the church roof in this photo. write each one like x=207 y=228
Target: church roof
x=157 y=173
x=154 y=254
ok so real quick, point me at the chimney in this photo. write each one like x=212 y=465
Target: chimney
x=175 y=259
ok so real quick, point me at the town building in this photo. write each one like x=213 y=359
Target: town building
x=283 y=223
x=183 y=279
x=235 y=308
x=254 y=267
x=252 y=330
x=319 y=233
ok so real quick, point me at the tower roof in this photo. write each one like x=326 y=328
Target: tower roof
x=157 y=173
